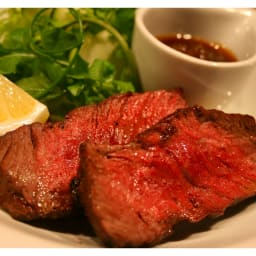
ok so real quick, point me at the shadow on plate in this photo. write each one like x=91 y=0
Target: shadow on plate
x=79 y=225
x=75 y=224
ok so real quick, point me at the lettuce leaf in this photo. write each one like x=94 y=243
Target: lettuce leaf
x=69 y=57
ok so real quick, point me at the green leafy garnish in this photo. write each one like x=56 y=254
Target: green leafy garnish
x=69 y=57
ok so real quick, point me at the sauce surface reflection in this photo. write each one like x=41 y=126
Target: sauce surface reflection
x=198 y=47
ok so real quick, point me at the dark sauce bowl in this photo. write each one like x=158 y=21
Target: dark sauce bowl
x=209 y=82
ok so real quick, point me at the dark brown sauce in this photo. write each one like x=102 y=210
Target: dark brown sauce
x=198 y=47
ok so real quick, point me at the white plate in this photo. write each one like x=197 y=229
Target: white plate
x=235 y=229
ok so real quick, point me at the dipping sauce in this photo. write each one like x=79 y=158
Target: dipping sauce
x=198 y=47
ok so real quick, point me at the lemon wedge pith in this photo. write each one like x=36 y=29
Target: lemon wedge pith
x=17 y=107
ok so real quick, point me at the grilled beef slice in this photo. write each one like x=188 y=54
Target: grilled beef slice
x=192 y=164
x=38 y=161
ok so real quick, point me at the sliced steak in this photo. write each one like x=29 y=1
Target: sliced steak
x=192 y=164
x=38 y=161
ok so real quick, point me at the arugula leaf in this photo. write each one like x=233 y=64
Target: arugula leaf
x=9 y=62
x=45 y=52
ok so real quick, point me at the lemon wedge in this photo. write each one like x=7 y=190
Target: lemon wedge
x=17 y=107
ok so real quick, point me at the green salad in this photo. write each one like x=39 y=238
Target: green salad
x=69 y=57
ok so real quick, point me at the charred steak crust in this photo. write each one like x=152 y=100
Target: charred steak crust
x=192 y=164
x=39 y=161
